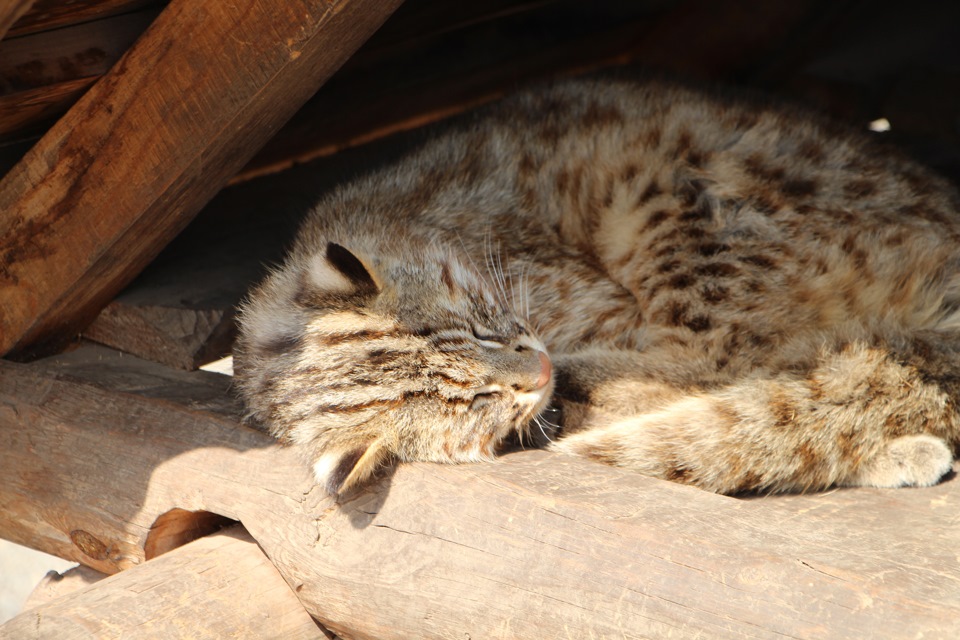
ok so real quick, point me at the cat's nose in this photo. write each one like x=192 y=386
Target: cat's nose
x=546 y=370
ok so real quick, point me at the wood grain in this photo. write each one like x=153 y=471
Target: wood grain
x=134 y=160
x=45 y=15
x=55 y=585
x=10 y=12
x=482 y=550
x=221 y=586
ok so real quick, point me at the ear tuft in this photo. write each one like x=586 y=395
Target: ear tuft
x=341 y=470
x=352 y=267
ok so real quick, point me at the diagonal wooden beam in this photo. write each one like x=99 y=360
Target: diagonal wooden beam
x=10 y=11
x=134 y=160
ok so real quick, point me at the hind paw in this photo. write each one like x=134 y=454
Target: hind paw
x=910 y=461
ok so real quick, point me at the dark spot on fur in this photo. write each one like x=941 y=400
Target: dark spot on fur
x=668 y=267
x=382 y=356
x=676 y=473
x=717 y=270
x=650 y=138
x=758 y=340
x=849 y=244
x=677 y=314
x=688 y=191
x=860 y=262
x=651 y=191
x=656 y=219
x=680 y=281
x=765 y=205
x=755 y=287
x=699 y=323
x=629 y=173
x=799 y=188
x=895 y=239
x=784 y=411
x=700 y=213
x=715 y=293
x=757 y=260
x=708 y=249
x=807 y=455
x=696 y=158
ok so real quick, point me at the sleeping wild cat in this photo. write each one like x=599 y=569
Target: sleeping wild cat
x=701 y=288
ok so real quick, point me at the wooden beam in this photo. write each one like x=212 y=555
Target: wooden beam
x=220 y=586
x=10 y=12
x=134 y=160
x=482 y=550
x=41 y=75
x=46 y=15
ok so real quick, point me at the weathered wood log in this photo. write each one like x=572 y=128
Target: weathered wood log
x=152 y=142
x=220 y=586
x=536 y=545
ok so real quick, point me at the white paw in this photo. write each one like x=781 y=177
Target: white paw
x=910 y=461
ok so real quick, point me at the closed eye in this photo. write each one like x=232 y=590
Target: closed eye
x=488 y=339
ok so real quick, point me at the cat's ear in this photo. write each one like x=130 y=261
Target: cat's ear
x=340 y=271
x=341 y=469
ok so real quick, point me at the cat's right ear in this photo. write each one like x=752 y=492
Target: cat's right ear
x=341 y=271
x=342 y=469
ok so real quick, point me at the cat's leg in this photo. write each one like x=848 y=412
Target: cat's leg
x=857 y=417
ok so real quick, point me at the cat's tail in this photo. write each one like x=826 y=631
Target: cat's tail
x=861 y=416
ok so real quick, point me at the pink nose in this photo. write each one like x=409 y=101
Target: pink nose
x=546 y=370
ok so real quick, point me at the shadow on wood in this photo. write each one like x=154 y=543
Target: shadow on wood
x=484 y=549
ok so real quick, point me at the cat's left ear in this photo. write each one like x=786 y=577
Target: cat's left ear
x=339 y=270
x=341 y=469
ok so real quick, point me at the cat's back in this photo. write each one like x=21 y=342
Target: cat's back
x=706 y=205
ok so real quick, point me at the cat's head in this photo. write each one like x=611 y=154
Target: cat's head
x=365 y=359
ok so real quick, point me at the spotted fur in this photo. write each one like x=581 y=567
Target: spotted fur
x=733 y=295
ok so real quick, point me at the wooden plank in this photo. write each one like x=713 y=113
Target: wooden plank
x=52 y=14
x=156 y=138
x=82 y=51
x=10 y=12
x=220 y=586
x=55 y=585
x=482 y=550
x=42 y=75
x=24 y=111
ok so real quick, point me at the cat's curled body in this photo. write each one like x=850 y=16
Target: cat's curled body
x=732 y=295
